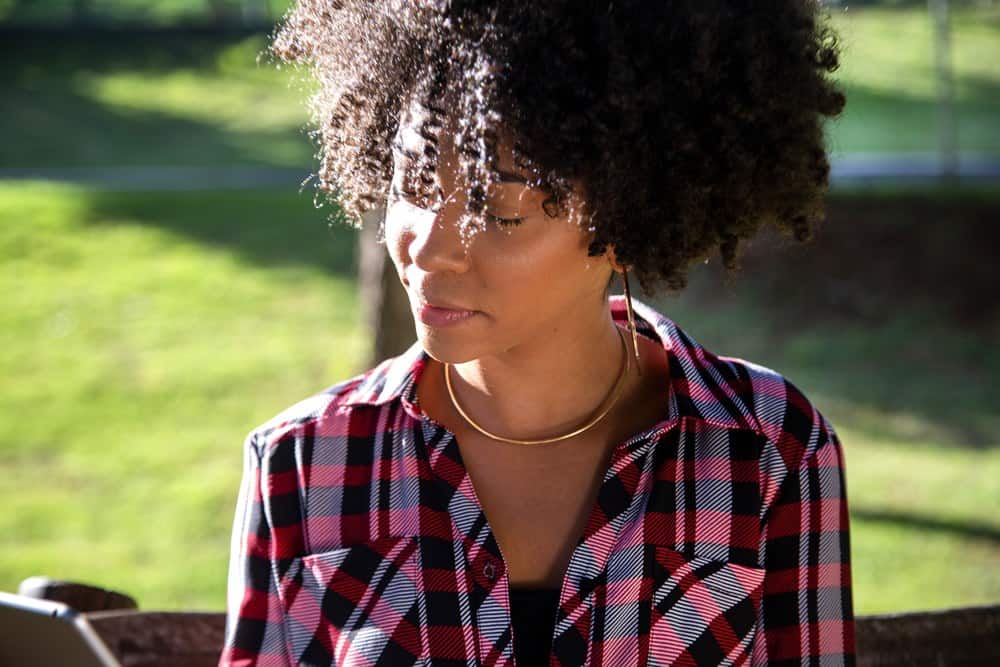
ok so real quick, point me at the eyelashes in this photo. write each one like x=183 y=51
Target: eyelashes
x=505 y=222
x=421 y=201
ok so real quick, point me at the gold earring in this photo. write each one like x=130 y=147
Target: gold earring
x=631 y=320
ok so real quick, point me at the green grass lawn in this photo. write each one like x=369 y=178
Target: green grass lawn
x=145 y=334
x=173 y=100
x=887 y=71
x=131 y=12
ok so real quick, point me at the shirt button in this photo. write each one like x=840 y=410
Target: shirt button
x=489 y=570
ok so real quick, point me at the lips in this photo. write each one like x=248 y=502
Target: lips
x=443 y=305
x=436 y=314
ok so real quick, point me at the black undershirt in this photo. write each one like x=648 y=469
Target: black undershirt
x=533 y=615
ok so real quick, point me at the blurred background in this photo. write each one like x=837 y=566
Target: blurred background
x=170 y=284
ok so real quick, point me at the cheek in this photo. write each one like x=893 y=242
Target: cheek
x=394 y=237
x=534 y=269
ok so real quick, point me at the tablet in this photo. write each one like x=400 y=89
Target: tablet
x=44 y=633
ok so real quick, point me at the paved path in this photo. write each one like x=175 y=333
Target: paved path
x=919 y=167
x=851 y=169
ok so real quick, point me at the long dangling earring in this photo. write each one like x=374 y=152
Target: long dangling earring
x=631 y=320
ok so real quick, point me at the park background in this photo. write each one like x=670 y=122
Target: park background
x=169 y=284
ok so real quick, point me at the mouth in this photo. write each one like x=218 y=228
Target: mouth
x=436 y=315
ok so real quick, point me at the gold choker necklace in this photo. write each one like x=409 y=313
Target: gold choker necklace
x=616 y=392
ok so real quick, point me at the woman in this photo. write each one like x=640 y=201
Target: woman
x=550 y=475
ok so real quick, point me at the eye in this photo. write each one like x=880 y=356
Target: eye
x=416 y=199
x=505 y=222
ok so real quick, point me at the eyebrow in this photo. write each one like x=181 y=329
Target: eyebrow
x=505 y=176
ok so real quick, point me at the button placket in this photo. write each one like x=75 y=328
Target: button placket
x=486 y=570
x=487 y=576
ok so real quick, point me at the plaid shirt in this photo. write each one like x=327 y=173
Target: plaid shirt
x=719 y=537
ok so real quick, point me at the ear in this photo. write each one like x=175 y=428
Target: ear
x=610 y=254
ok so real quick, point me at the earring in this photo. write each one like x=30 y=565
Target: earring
x=631 y=319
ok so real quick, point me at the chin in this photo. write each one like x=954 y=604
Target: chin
x=444 y=347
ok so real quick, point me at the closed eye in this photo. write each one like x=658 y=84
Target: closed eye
x=506 y=222
x=414 y=198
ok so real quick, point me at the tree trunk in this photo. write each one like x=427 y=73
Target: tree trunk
x=384 y=303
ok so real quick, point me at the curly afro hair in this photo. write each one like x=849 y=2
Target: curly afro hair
x=688 y=123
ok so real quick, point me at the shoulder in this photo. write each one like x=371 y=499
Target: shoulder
x=737 y=394
x=782 y=411
x=792 y=426
x=321 y=457
x=353 y=406
x=326 y=411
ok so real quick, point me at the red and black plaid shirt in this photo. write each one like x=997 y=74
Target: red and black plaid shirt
x=719 y=537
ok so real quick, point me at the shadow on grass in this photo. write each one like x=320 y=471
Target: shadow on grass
x=269 y=228
x=51 y=120
x=924 y=524
x=60 y=128
x=153 y=52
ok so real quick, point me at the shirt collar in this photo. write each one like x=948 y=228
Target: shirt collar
x=702 y=385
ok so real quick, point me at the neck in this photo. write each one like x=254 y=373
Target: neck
x=550 y=383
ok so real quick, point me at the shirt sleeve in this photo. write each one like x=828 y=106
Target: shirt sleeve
x=806 y=614
x=254 y=632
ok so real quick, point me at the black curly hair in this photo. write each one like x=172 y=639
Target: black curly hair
x=689 y=123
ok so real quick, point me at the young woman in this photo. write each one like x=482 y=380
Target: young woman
x=551 y=475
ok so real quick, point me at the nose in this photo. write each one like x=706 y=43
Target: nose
x=436 y=243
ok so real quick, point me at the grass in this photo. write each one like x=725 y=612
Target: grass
x=888 y=74
x=144 y=335
x=182 y=99
x=164 y=13
x=147 y=333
